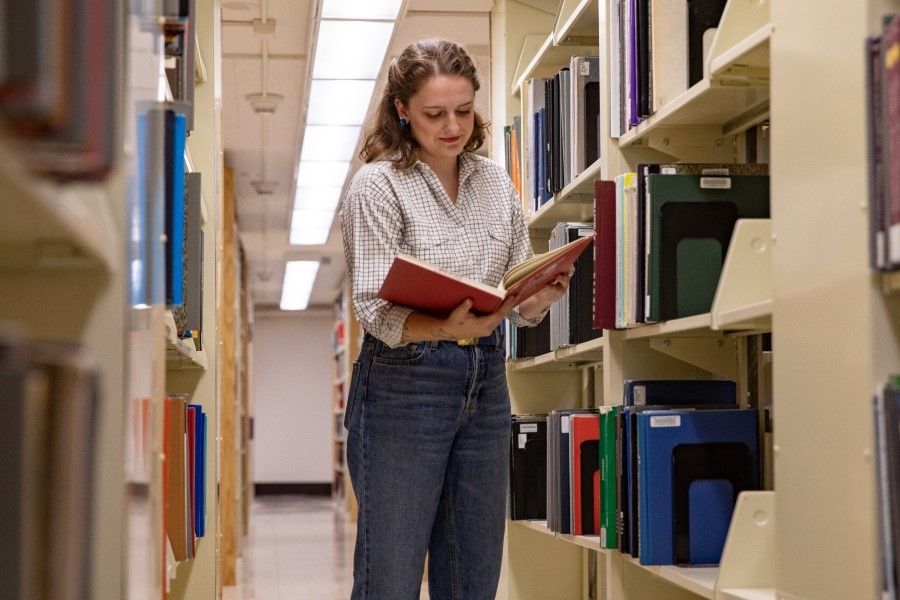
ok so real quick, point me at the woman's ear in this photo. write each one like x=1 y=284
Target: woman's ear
x=401 y=110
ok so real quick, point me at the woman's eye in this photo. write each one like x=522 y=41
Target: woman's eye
x=432 y=115
x=464 y=113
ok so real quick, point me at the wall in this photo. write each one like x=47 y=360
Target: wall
x=292 y=380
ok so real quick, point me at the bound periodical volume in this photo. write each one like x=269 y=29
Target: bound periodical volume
x=570 y=318
x=528 y=467
x=887 y=474
x=49 y=398
x=184 y=473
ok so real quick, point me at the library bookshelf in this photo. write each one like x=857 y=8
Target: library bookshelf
x=801 y=276
x=347 y=342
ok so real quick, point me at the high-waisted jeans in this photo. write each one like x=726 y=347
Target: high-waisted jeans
x=427 y=449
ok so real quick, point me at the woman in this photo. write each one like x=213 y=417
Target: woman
x=428 y=413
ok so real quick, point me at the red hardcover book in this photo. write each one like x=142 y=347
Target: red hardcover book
x=585 y=447
x=414 y=283
x=605 y=255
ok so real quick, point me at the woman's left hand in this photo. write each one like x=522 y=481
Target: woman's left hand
x=551 y=292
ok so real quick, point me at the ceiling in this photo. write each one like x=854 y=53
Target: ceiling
x=264 y=220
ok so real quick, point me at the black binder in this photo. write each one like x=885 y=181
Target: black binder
x=702 y=15
x=528 y=467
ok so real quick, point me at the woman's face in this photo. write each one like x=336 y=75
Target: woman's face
x=441 y=116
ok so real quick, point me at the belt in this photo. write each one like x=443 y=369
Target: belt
x=495 y=339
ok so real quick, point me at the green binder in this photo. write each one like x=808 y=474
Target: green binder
x=691 y=219
x=608 y=477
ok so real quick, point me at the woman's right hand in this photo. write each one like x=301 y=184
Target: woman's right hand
x=463 y=323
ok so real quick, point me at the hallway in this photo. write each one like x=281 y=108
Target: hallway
x=299 y=548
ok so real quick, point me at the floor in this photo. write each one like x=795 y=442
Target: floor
x=299 y=548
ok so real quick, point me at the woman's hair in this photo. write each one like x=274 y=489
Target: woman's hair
x=384 y=136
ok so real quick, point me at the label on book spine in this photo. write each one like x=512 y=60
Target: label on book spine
x=523 y=439
x=715 y=183
x=528 y=428
x=666 y=421
x=640 y=395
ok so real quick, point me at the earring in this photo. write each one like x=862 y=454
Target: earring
x=403 y=122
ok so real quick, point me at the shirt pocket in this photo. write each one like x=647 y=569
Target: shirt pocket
x=428 y=242
x=499 y=250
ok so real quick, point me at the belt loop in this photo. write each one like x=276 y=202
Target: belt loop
x=434 y=344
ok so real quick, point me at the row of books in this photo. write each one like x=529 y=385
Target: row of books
x=570 y=317
x=662 y=236
x=60 y=80
x=564 y=117
x=166 y=251
x=883 y=83
x=49 y=398
x=184 y=476
x=657 y=51
x=656 y=477
x=887 y=472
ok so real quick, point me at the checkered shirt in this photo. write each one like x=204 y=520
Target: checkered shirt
x=386 y=212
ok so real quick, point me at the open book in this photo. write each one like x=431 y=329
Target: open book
x=415 y=283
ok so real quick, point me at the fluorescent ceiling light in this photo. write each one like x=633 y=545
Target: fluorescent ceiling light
x=339 y=101
x=299 y=277
x=309 y=237
x=335 y=61
x=312 y=219
x=322 y=174
x=354 y=9
x=329 y=142
x=317 y=198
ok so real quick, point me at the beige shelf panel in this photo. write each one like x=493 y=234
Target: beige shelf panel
x=575 y=202
x=748 y=594
x=890 y=283
x=695 y=326
x=54 y=225
x=564 y=359
x=697 y=580
x=748 y=559
x=743 y=298
x=181 y=354
x=540 y=57
x=729 y=108
x=577 y=19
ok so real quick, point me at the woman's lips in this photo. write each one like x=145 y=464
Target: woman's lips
x=452 y=140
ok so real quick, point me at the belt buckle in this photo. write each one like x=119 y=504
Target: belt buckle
x=467 y=342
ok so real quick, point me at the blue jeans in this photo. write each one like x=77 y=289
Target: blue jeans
x=428 y=452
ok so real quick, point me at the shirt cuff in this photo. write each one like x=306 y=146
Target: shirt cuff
x=519 y=321
x=393 y=325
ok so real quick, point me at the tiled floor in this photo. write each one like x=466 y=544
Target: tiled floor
x=298 y=549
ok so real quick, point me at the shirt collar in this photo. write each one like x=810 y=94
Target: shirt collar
x=468 y=165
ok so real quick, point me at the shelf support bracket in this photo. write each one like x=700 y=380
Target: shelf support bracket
x=702 y=143
x=719 y=356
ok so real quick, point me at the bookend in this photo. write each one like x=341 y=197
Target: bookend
x=707 y=479
x=743 y=298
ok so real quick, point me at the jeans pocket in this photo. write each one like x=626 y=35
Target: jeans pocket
x=352 y=402
x=409 y=354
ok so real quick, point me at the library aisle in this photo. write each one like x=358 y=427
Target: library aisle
x=299 y=547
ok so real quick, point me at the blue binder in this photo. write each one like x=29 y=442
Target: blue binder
x=176 y=133
x=691 y=467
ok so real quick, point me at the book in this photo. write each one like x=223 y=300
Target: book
x=585 y=448
x=691 y=467
x=528 y=467
x=605 y=255
x=703 y=20
x=419 y=285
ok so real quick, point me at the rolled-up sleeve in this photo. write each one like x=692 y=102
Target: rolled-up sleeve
x=520 y=251
x=372 y=226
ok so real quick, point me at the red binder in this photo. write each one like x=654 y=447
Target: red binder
x=585 y=447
